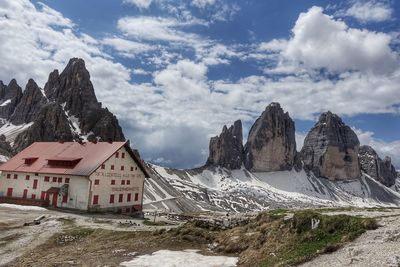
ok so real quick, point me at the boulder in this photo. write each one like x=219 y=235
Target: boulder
x=331 y=149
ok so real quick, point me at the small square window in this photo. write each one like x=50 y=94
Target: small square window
x=123 y=155
x=135 y=168
x=117 y=154
x=47 y=179
x=54 y=179
x=122 y=168
x=103 y=166
x=60 y=179
x=122 y=182
x=112 y=182
x=112 y=167
x=8 y=175
x=27 y=177
x=128 y=182
x=97 y=182
x=67 y=180
x=15 y=176
x=131 y=169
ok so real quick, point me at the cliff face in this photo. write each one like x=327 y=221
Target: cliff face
x=331 y=149
x=10 y=96
x=271 y=145
x=381 y=170
x=226 y=150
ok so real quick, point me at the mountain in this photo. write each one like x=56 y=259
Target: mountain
x=66 y=109
x=331 y=170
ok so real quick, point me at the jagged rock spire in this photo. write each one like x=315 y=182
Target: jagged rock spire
x=226 y=150
x=331 y=149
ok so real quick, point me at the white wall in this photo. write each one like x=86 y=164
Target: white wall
x=105 y=189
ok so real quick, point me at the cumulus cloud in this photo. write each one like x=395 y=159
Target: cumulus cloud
x=127 y=48
x=142 y=4
x=203 y=3
x=369 y=11
x=320 y=41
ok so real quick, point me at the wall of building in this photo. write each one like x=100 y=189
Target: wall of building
x=130 y=180
x=78 y=192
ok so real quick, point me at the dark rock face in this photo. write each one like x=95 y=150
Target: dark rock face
x=5 y=147
x=271 y=145
x=226 y=150
x=30 y=104
x=331 y=149
x=381 y=170
x=10 y=97
x=51 y=124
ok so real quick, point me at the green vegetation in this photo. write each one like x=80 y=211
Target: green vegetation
x=149 y=222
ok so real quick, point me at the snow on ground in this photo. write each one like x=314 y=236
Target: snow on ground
x=20 y=207
x=4 y=158
x=11 y=131
x=240 y=190
x=5 y=103
x=167 y=258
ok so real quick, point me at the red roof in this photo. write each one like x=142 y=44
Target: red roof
x=92 y=155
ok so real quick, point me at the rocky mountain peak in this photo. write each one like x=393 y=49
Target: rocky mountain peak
x=331 y=149
x=29 y=105
x=271 y=145
x=10 y=97
x=226 y=150
x=381 y=170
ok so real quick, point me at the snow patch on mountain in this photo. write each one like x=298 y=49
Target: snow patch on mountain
x=11 y=131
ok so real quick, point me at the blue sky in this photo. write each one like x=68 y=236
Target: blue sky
x=175 y=71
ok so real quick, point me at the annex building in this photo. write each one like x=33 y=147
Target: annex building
x=89 y=176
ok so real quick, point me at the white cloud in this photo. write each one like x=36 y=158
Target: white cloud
x=369 y=11
x=127 y=48
x=142 y=4
x=203 y=3
x=391 y=149
x=320 y=41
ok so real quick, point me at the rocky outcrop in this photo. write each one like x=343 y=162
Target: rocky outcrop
x=331 y=149
x=51 y=124
x=381 y=170
x=5 y=147
x=271 y=145
x=10 y=97
x=226 y=150
x=30 y=104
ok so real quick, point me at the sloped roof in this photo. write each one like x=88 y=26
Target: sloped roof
x=92 y=155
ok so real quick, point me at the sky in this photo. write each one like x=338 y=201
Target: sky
x=175 y=71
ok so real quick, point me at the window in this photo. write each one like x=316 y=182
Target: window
x=15 y=176
x=123 y=155
x=43 y=195
x=111 y=198
x=60 y=179
x=96 y=182
x=65 y=199
x=122 y=168
x=103 y=166
x=54 y=179
x=121 y=198
x=136 y=196
x=135 y=168
x=9 y=192
x=95 y=199
x=27 y=177
x=25 y=193
x=8 y=175
x=112 y=182
x=112 y=167
x=131 y=169
x=33 y=196
x=47 y=179
x=35 y=182
x=128 y=182
x=117 y=154
x=67 y=180
x=122 y=182
x=128 y=198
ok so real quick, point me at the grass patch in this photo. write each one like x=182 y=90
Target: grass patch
x=149 y=222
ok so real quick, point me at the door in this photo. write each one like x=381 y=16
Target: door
x=25 y=194
x=55 y=198
x=9 y=192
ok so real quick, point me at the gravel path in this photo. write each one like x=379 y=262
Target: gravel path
x=380 y=247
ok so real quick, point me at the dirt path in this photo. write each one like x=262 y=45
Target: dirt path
x=380 y=247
